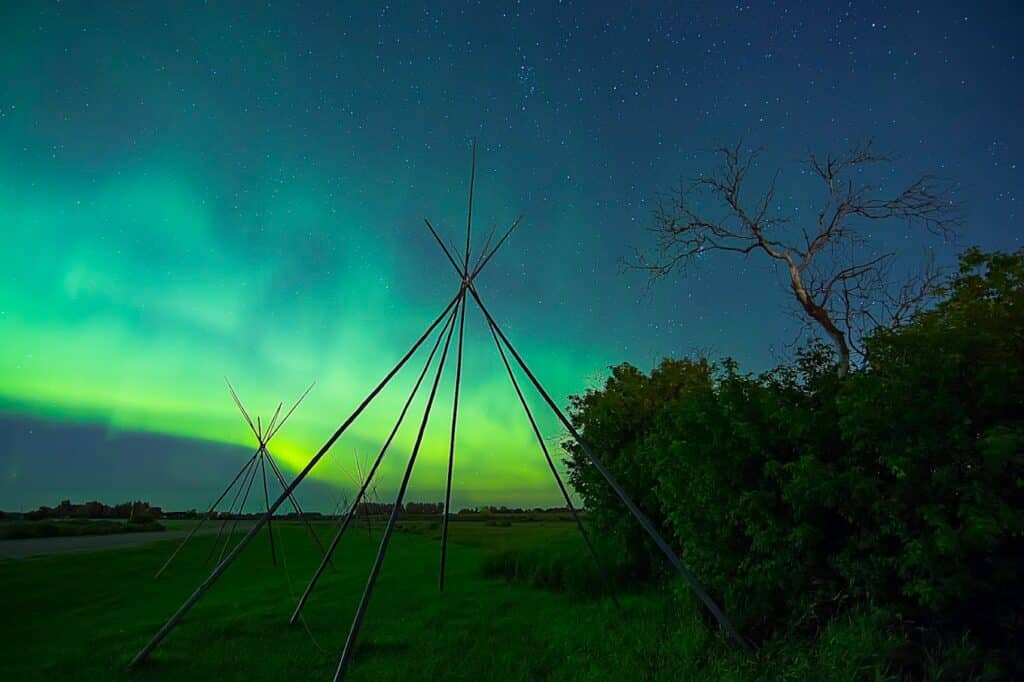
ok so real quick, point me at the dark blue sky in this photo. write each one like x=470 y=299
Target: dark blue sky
x=190 y=190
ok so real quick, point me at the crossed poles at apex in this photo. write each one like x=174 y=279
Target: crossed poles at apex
x=454 y=309
x=245 y=478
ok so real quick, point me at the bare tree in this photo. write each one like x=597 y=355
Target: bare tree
x=842 y=286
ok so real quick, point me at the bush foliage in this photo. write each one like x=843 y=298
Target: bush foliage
x=796 y=496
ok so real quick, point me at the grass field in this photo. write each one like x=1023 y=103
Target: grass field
x=83 y=616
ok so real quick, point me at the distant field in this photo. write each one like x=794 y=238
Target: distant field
x=83 y=616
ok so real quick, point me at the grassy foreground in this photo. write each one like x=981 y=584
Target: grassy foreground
x=83 y=616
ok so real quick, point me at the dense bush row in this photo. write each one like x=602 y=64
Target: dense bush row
x=796 y=496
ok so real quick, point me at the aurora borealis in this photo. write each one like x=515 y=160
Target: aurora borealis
x=193 y=190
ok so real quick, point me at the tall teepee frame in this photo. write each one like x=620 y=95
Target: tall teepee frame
x=245 y=478
x=456 y=308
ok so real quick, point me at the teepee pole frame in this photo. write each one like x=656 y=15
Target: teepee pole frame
x=258 y=459
x=455 y=308
x=219 y=569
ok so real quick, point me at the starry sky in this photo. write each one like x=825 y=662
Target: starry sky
x=193 y=190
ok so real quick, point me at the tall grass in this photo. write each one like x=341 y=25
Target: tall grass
x=679 y=643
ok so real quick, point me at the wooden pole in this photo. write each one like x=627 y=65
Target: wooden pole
x=209 y=514
x=357 y=621
x=451 y=447
x=444 y=248
x=227 y=519
x=485 y=259
x=273 y=420
x=294 y=502
x=373 y=470
x=469 y=213
x=241 y=509
x=290 y=411
x=242 y=409
x=641 y=518
x=266 y=504
x=551 y=465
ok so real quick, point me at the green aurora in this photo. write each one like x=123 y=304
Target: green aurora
x=136 y=317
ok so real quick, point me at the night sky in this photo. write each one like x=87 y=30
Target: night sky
x=189 y=191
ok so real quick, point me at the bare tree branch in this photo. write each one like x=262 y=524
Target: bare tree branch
x=842 y=286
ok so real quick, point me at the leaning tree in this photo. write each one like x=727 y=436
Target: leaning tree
x=842 y=283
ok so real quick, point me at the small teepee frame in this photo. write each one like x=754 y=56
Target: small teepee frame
x=245 y=478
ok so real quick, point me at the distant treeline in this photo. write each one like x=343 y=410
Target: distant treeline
x=380 y=509
x=514 y=510
x=139 y=509
x=96 y=510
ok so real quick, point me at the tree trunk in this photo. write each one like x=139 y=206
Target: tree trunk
x=820 y=315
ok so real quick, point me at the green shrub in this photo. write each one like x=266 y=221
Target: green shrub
x=937 y=426
x=620 y=417
x=141 y=518
x=794 y=496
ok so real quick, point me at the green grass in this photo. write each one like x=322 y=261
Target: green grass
x=83 y=616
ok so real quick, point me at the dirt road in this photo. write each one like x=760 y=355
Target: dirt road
x=30 y=547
